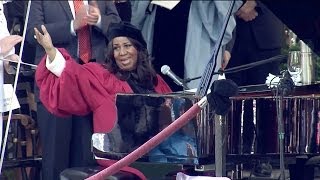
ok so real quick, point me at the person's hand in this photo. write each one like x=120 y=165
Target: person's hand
x=10 y=69
x=13 y=57
x=93 y=13
x=80 y=19
x=45 y=41
x=247 y=12
x=248 y=16
x=8 y=42
x=225 y=60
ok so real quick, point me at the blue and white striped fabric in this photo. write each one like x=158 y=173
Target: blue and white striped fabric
x=206 y=19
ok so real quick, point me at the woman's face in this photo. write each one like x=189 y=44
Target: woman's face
x=125 y=54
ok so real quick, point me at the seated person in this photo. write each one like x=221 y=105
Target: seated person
x=69 y=88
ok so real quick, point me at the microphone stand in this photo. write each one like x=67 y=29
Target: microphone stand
x=184 y=86
x=284 y=88
x=279 y=102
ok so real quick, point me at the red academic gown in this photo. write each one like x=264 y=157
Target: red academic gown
x=82 y=89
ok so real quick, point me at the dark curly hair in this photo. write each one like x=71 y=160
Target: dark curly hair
x=144 y=74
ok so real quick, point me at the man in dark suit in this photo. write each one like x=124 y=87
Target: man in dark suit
x=66 y=142
x=259 y=36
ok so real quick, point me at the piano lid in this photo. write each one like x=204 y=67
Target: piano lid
x=302 y=17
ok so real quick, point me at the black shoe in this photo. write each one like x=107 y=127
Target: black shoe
x=262 y=170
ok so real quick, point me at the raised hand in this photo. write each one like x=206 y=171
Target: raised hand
x=8 y=42
x=45 y=41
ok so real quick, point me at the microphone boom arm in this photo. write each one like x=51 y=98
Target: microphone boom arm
x=243 y=67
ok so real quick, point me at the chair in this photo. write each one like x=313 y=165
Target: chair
x=22 y=150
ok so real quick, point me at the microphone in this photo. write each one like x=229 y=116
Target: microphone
x=165 y=69
x=286 y=84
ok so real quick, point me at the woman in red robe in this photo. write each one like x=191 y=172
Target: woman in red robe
x=68 y=88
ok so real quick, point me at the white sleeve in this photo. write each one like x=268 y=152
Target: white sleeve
x=57 y=65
